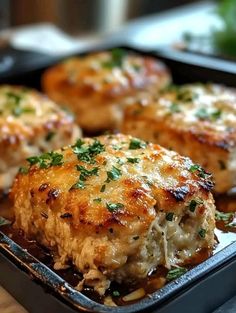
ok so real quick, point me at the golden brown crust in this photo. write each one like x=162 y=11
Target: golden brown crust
x=195 y=120
x=52 y=188
x=30 y=123
x=100 y=81
x=115 y=207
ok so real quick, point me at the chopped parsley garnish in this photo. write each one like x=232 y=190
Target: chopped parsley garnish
x=116 y=60
x=86 y=153
x=13 y=104
x=115 y=293
x=17 y=111
x=120 y=161
x=49 y=136
x=202 y=232
x=216 y=115
x=98 y=200
x=201 y=172
x=14 y=97
x=4 y=221
x=133 y=160
x=84 y=173
x=79 y=185
x=169 y=216
x=174 y=108
x=185 y=95
x=46 y=160
x=175 y=273
x=103 y=188
x=225 y=217
x=136 y=144
x=115 y=147
x=112 y=207
x=113 y=174
x=203 y=114
x=23 y=170
x=232 y=224
x=194 y=203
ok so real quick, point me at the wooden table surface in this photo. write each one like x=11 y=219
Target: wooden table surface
x=8 y=304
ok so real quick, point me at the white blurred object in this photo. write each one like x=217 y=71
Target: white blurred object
x=167 y=28
x=45 y=38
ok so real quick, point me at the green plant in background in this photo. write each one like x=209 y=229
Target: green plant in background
x=225 y=39
x=222 y=41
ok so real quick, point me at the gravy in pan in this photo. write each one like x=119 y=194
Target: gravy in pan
x=126 y=294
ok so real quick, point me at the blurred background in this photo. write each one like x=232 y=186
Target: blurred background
x=64 y=26
x=79 y=16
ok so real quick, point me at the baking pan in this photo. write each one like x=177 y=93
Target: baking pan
x=200 y=290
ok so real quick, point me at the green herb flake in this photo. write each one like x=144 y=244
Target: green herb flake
x=194 y=203
x=4 y=221
x=233 y=225
x=185 y=95
x=115 y=293
x=116 y=59
x=201 y=172
x=84 y=173
x=225 y=217
x=216 y=115
x=169 y=216
x=113 y=207
x=113 y=174
x=120 y=161
x=46 y=160
x=86 y=153
x=79 y=185
x=136 y=144
x=23 y=170
x=133 y=160
x=174 y=108
x=203 y=114
x=14 y=97
x=175 y=273
x=202 y=233
x=17 y=111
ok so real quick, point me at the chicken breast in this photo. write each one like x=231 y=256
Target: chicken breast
x=116 y=208
x=29 y=124
x=95 y=87
x=198 y=121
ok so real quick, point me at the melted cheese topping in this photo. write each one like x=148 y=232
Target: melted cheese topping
x=116 y=207
x=209 y=108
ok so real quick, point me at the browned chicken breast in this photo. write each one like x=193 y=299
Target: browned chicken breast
x=29 y=124
x=198 y=121
x=95 y=87
x=116 y=208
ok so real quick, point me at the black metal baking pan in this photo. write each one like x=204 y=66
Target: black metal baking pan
x=200 y=290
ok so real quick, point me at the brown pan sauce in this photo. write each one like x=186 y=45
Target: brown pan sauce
x=225 y=234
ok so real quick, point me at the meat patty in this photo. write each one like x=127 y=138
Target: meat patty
x=29 y=124
x=198 y=121
x=95 y=87
x=116 y=207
